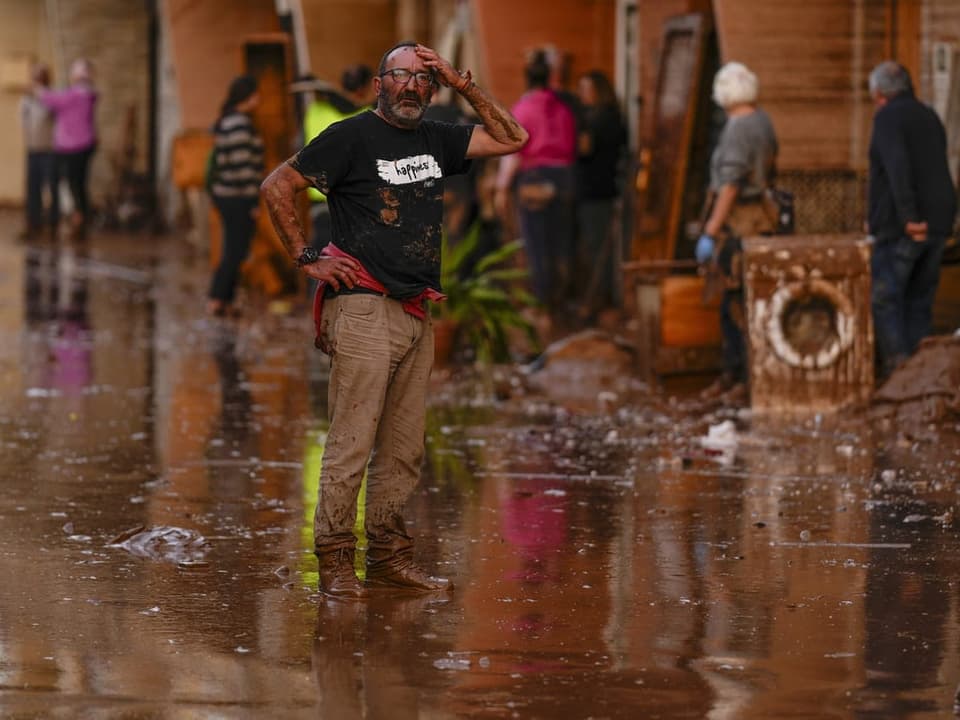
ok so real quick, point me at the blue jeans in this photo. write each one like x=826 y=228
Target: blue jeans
x=548 y=235
x=905 y=275
x=734 y=344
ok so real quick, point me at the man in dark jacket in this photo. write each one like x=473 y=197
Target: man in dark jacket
x=912 y=204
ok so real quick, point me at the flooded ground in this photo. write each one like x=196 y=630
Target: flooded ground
x=159 y=470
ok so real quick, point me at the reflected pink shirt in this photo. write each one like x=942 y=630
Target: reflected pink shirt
x=552 y=128
x=74 y=127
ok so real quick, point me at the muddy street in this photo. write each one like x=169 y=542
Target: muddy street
x=623 y=554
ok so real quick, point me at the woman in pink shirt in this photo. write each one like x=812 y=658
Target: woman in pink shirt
x=543 y=177
x=74 y=135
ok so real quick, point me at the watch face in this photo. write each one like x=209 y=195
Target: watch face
x=308 y=256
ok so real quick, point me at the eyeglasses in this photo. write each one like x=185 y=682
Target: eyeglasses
x=402 y=77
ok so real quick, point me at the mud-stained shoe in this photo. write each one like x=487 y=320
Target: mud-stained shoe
x=737 y=396
x=390 y=562
x=403 y=575
x=337 y=575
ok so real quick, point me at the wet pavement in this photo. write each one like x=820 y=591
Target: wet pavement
x=159 y=471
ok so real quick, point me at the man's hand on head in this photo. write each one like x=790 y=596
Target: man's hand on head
x=446 y=73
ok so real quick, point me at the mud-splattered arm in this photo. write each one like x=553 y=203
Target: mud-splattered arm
x=279 y=192
x=500 y=133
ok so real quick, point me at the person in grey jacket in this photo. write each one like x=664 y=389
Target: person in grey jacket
x=741 y=169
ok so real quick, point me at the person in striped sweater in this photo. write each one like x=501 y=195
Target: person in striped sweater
x=236 y=172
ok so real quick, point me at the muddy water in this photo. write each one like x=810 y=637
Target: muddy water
x=159 y=470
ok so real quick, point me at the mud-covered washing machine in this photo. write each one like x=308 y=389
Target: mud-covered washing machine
x=809 y=322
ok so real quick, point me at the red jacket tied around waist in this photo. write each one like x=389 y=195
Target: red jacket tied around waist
x=415 y=305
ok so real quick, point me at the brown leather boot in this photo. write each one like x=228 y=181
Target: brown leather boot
x=337 y=575
x=390 y=565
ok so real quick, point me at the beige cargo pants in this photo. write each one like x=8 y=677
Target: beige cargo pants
x=381 y=357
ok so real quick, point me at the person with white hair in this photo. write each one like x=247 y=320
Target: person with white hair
x=911 y=208
x=74 y=136
x=741 y=169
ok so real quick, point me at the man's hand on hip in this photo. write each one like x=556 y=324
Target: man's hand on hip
x=333 y=271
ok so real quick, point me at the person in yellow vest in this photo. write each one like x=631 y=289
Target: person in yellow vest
x=328 y=107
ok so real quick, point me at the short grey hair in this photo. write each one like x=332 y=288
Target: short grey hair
x=735 y=84
x=889 y=79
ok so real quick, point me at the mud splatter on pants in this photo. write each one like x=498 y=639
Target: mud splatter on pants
x=381 y=359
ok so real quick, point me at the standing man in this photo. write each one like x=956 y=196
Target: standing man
x=382 y=172
x=912 y=204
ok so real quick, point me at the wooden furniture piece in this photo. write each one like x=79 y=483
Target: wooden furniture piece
x=677 y=328
x=809 y=322
x=677 y=123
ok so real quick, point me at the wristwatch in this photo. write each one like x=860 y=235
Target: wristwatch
x=309 y=256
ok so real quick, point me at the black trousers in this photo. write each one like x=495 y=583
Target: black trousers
x=75 y=167
x=238 y=228
x=40 y=174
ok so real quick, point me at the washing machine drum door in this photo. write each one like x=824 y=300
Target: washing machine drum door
x=809 y=324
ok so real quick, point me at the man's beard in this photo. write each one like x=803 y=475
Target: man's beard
x=401 y=115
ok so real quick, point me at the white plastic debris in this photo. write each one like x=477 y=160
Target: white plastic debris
x=845 y=450
x=721 y=440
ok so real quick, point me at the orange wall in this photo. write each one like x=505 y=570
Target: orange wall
x=344 y=32
x=506 y=30
x=206 y=39
x=812 y=61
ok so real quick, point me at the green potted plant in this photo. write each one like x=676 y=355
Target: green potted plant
x=483 y=304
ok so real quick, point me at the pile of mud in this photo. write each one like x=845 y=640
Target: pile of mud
x=925 y=389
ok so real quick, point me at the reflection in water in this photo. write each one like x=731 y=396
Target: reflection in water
x=364 y=659
x=910 y=607
x=56 y=289
x=235 y=398
x=535 y=524
x=605 y=567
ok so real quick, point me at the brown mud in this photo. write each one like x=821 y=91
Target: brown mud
x=618 y=551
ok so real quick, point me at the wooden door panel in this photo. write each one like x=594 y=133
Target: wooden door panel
x=661 y=183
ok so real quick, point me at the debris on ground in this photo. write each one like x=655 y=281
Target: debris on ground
x=925 y=389
x=166 y=544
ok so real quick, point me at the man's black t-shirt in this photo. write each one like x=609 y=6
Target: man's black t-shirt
x=385 y=190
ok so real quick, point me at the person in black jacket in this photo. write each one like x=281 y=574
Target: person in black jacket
x=912 y=203
x=600 y=144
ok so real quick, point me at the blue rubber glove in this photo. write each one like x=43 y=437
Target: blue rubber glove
x=704 y=249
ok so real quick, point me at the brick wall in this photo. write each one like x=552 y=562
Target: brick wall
x=22 y=35
x=114 y=34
